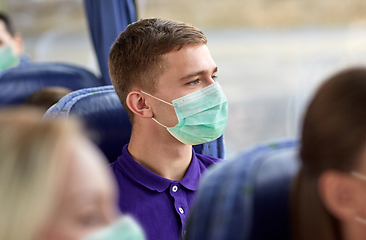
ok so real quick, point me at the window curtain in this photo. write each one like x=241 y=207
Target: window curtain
x=107 y=19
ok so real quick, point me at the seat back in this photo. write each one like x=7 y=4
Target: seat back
x=103 y=114
x=247 y=197
x=16 y=84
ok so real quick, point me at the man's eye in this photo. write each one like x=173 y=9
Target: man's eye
x=194 y=82
x=214 y=78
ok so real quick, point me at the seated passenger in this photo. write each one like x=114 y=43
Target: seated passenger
x=329 y=199
x=164 y=76
x=329 y=194
x=46 y=97
x=54 y=184
x=11 y=45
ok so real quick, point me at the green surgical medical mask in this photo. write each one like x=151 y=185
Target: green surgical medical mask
x=125 y=228
x=7 y=58
x=202 y=115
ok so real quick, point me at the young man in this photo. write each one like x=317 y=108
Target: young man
x=11 y=45
x=164 y=76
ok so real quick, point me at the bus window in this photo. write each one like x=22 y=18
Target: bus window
x=54 y=30
x=271 y=54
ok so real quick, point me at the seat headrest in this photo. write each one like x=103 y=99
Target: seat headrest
x=272 y=177
x=247 y=197
x=16 y=84
x=103 y=115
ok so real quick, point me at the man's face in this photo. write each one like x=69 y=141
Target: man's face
x=6 y=38
x=188 y=70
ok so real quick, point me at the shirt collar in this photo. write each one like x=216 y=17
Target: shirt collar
x=193 y=174
x=150 y=180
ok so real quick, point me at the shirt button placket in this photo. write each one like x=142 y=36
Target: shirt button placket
x=179 y=201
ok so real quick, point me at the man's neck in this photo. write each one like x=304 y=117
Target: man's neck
x=159 y=152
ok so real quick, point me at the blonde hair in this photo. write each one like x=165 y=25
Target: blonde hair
x=32 y=163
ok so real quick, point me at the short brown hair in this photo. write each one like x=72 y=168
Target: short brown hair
x=333 y=138
x=136 y=57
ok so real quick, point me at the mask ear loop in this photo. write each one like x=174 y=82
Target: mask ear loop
x=160 y=101
x=157 y=98
x=360 y=220
x=159 y=123
x=361 y=177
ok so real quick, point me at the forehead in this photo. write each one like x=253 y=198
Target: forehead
x=88 y=173
x=192 y=57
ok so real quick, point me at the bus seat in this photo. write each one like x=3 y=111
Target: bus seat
x=247 y=197
x=16 y=84
x=104 y=115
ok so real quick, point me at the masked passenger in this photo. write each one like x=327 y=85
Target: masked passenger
x=54 y=184
x=11 y=45
x=329 y=200
x=164 y=76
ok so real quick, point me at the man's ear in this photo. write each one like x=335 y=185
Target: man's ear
x=136 y=102
x=18 y=44
x=338 y=193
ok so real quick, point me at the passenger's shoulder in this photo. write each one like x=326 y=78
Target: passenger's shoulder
x=207 y=160
x=113 y=164
x=121 y=159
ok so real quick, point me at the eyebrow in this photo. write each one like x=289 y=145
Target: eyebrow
x=198 y=73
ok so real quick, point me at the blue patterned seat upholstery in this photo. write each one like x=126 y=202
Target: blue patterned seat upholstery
x=16 y=84
x=246 y=198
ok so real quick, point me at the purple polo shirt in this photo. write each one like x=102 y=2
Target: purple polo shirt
x=159 y=204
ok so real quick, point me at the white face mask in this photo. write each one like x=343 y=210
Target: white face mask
x=362 y=177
